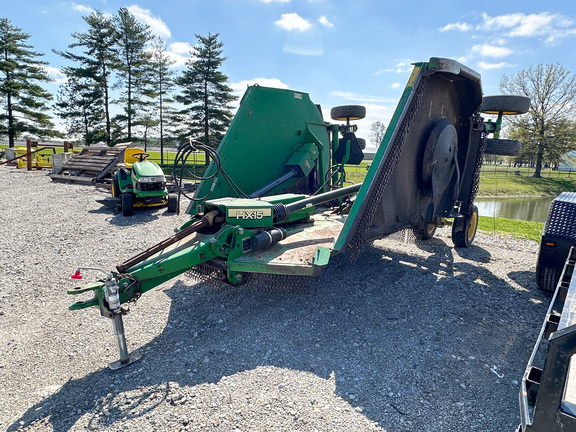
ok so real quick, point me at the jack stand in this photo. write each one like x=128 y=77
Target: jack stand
x=125 y=358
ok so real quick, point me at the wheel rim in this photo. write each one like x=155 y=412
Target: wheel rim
x=472 y=226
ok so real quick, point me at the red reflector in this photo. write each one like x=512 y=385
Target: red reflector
x=76 y=275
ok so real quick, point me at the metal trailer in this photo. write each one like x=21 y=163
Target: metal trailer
x=558 y=237
x=548 y=388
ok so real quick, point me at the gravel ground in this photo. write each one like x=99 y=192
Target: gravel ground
x=411 y=337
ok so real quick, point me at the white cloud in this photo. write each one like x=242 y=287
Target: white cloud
x=551 y=27
x=304 y=50
x=486 y=66
x=457 y=26
x=85 y=10
x=157 y=26
x=239 y=88
x=395 y=85
x=363 y=99
x=324 y=21
x=492 y=51
x=56 y=74
x=179 y=52
x=293 y=22
x=180 y=47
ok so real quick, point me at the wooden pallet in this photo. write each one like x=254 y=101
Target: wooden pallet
x=92 y=165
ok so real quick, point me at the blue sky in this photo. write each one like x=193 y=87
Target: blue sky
x=340 y=52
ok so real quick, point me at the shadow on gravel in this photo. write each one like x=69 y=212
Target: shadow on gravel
x=413 y=341
x=140 y=216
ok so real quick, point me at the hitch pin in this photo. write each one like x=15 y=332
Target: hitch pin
x=77 y=274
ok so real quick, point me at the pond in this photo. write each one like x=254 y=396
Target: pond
x=529 y=209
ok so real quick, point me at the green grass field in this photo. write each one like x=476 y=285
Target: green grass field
x=511 y=227
x=495 y=180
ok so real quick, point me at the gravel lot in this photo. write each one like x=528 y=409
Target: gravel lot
x=411 y=337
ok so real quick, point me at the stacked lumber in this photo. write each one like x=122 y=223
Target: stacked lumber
x=92 y=165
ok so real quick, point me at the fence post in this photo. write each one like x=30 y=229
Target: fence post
x=29 y=155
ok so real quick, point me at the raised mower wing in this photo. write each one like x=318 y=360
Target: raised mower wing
x=401 y=188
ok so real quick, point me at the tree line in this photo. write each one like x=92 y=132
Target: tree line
x=119 y=86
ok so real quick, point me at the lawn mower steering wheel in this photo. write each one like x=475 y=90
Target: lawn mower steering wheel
x=141 y=156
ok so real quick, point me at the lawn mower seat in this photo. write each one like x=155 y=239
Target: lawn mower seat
x=129 y=158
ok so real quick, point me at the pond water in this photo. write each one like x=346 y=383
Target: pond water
x=529 y=209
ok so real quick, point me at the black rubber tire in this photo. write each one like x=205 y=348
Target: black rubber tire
x=115 y=188
x=464 y=229
x=425 y=233
x=127 y=204
x=547 y=278
x=172 y=203
x=348 y=112
x=362 y=143
x=505 y=104
x=503 y=147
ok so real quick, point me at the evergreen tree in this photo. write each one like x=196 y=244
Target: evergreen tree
x=133 y=62
x=205 y=95
x=161 y=79
x=97 y=60
x=24 y=100
x=80 y=105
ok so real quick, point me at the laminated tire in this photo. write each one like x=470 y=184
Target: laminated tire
x=348 y=112
x=505 y=104
x=503 y=147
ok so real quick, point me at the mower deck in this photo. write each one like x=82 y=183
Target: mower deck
x=302 y=253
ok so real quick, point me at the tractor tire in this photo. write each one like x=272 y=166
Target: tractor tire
x=127 y=204
x=115 y=188
x=464 y=229
x=505 y=104
x=503 y=147
x=172 y=203
x=425 y=233
x=348 y=112
x=547 y=278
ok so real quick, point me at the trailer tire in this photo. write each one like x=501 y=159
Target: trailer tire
x=348 y=112
x=172 y=203
x=127 y=204
x=505 y=104
x=503 y=147
x=115 y=188
x=464 y=229
x=547 y=278
x=424 y=233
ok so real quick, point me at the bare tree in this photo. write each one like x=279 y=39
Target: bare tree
x=552 y=91
x=377 y=131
